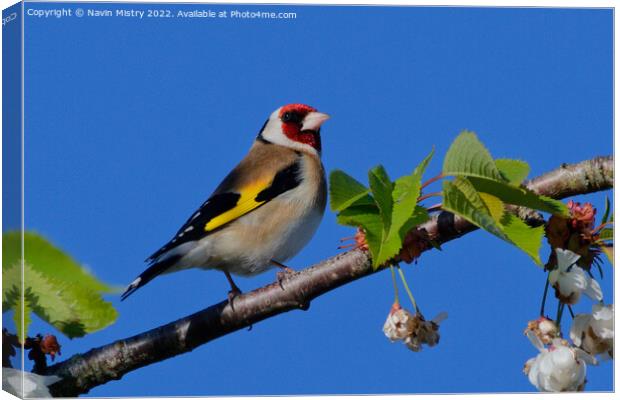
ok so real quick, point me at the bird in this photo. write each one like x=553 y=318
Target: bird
x=262 y=213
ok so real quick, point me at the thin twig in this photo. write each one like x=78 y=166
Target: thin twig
x=544 y=298
x=433 y=179
x=429 y=195
x=396 y=299
x=402 y=278
x=558 y=319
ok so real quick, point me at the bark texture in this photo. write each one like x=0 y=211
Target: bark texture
x=82 y=372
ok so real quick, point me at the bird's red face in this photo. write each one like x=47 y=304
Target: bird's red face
x=302 y=124
x=296 y=126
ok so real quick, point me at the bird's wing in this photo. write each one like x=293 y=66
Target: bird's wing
x=236 y=196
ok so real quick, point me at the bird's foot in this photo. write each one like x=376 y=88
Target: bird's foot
x=234 y=290
x=284 y=273
x=281 y=276
x=232 y=295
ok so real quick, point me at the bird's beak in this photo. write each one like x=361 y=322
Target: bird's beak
x=313 y=121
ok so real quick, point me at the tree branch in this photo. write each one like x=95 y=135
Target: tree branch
x=82 y=372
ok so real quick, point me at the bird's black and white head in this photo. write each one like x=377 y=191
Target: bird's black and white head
x=296 y=126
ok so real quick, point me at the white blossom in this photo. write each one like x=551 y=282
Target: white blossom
x=569 y=280
x=558 y=368
x=34 y=385
x=594 y=332
x=544 y=328
x=398 y=324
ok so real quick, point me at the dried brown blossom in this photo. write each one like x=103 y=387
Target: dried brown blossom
x=49 y=345
x=557 y=232
x=424 y=332
x=575 y=233
x=414 y=244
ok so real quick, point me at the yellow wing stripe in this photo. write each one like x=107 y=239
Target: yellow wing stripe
x=245 y=204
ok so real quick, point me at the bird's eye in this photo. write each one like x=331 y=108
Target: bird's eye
x=291 y=117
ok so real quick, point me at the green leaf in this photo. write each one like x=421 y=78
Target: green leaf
x=72 y=309
x=606 y=234
x=11 y=286
x=514 y=171
x=606 y=213
x=392 y=242
x=494 y=205
x=519 y=196
x=524 y=236
x=56 y=288
x=381 y=188
x=388 y=215
x=355 y=215
x=405 y=196
x=364 y=201
x=461 y=198
x=12 y=298
x=22 y=308
x=388 y=249
x=37 y=288
x=406 y=214
x=344 y=190
x=467 y=156
x=93 y=313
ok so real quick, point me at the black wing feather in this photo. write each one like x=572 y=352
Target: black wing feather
x=216 y=205
x=285 y=180
x=148 y=274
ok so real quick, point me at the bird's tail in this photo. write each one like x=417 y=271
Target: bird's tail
x=156 y=268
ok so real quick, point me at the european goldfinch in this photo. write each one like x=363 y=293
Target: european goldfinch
x=263 y=213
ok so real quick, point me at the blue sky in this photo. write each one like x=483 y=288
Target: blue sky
x=130 y=124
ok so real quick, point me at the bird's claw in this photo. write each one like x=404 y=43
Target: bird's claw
x=283 y=274
x=232 y=294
